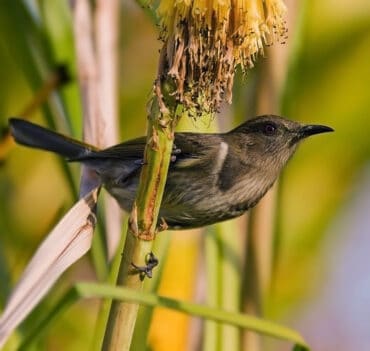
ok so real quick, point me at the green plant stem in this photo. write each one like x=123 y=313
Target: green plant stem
x=230 y=264
x=106 y=304
x=143 y=222
x=123 y=315
x=145 y=315
x=212 y=334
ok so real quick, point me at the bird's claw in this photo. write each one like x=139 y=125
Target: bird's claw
x=147 y=270
x=162 y=225
x=175 y=151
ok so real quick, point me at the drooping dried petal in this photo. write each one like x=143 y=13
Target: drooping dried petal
x=64 y=245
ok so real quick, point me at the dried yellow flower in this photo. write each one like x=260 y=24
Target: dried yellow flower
x=206 y=39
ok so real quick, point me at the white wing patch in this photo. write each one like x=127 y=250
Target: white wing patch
x=221 y=157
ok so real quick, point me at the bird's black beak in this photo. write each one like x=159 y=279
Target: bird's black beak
x=308 y=130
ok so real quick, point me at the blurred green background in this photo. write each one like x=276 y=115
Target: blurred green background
x=321 y=283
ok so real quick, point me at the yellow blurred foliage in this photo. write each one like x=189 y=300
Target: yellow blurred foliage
x=169 y=329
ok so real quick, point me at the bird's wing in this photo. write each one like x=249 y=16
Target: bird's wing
x=128 y=150
x=189 y=150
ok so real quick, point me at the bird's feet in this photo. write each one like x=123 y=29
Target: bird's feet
x=161 y=226
x=175 y=151
x=147 y=270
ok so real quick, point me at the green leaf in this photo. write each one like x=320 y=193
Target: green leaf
x=93 y=290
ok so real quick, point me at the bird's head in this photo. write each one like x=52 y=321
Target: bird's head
x=271 y=140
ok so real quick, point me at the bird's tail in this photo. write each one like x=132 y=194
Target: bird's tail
x=29 y=134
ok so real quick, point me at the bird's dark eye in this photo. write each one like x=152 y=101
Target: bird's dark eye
x=269 y=129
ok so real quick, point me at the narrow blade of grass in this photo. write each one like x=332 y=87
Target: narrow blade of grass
x=93 y=290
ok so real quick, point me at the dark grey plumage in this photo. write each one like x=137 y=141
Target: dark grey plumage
x=213 y=177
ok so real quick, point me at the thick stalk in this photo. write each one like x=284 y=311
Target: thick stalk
x=143 y=221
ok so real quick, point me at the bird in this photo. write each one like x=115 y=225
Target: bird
x=212 y=177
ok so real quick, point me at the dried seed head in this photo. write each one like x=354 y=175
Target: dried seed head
x=206 y=39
